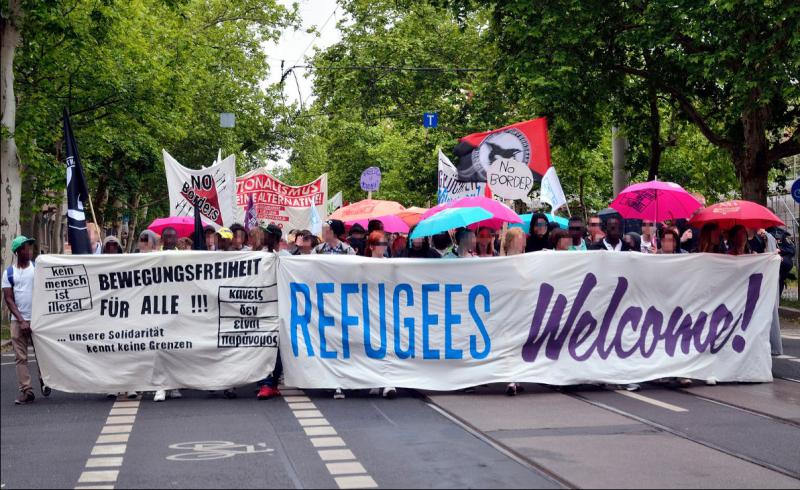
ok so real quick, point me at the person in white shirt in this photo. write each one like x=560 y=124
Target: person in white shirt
x=17 y=288
x=648 y=245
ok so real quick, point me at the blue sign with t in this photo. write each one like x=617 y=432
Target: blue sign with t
x=796 y=190
x=430 y=119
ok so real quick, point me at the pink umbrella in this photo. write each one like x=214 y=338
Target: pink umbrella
x=367 y=209
x=391 y=224
x=500 y=212
x=657 y=201
x=184 y=225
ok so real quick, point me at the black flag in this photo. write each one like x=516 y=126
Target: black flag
x=199 y=235
x=77 y=195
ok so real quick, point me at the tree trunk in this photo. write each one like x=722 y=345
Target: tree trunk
x=11 y=186
x=750 y=160
x=133 y=233
x=655 y=133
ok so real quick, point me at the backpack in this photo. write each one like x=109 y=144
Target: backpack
x=10 y=273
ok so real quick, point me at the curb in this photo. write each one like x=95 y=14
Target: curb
x=787 y=312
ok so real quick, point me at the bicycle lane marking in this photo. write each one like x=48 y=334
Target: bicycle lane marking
x=340 y=461
x=102 y=467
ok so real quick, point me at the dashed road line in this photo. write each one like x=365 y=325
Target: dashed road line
x=109 y=449
x=340 y=462
x=652 y=401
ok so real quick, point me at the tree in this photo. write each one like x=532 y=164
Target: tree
x=10 y=187
x=730 y=67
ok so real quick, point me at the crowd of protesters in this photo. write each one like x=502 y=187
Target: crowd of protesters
x=604 y=233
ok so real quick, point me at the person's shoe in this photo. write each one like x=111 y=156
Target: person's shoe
x=471 y=389
x=175 y=394
x=45 y=389
x=374 y=391
x=25 y=398
x=338 y=394
x=511 y=389
x=390 y=393
x=633 y=387
x=711 y=381
x=111 y=396
x=230 y=394
x=160 y=396
x=684 y=382
x=132 y=395
x=266 y=392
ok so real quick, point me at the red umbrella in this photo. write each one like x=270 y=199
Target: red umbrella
x=657 y=201
x=184 y=225
x=731 y=213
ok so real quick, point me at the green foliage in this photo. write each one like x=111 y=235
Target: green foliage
x=139 y=76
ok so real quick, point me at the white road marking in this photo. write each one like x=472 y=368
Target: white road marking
x=104 y=462
x=784 y=356
x=98 y=476
x=323 y=435
x=336 y=454
x=109 y=449
x=312 y=422
x=652 y=401
x=327 y=441
x=125 y=419
x=795 y=360
x=348 y=468
x=108 y=438
x=126 y=403
x=116 y=429
x=791 y=336
x=123 y=411
x=319 y=431
x=93 y=486
x=355 y=482
x=12 y=363
x=307 y=414
x=302 y=406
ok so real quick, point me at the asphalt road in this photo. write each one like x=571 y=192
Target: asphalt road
x=733 y=435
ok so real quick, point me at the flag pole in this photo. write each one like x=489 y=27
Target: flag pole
x=91 y=208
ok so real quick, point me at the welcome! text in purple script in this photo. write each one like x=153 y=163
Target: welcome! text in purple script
x=700 y=331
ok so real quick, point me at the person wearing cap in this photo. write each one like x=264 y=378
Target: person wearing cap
x=272 y=240
x=239 y=239
x=331 y=231
x=111 y=245
x=357 y=239
x=17 y=288
x=224 y=239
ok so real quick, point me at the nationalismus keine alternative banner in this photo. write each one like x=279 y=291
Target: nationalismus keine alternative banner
x=275 y=202
x=550 y=317
x=107 y=323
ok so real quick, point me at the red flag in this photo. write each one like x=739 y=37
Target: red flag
x=526 y=142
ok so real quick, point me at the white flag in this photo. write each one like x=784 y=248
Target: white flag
x=552 y=193
x=335 y=202
x=316 y=222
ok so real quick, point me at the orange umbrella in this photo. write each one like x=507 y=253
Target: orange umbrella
x=412 y=215
x=367 y=209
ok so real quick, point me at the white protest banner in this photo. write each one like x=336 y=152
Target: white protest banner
x=509 y=178
x=163 y=320
x=450 y=188
x=275 y=202
x=559 y=318
x=335 y=202
x=212 y=189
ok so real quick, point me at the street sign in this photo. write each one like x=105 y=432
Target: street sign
x=796 y=190
x=227 y=119
x=371 y=179
x=430 y=119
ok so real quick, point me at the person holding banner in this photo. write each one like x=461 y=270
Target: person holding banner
x=442 y=243
x=148 y=241
x=255 y=239
x=613 y=237
x=538 y=234
x=331 y=232
x=485 y=243
x=169 y=238
x=465 y=245
x=577 y=230
x=17 y=285
x=513 y=242
x=211 y=238
x=239 y=237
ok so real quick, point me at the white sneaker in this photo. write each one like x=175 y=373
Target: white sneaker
x=132 y=394
x=160 y=396
x=633 y=387
x=390 y=393
x=338 y=394
x=374 y=391
x=175 y=394
x=711 y=381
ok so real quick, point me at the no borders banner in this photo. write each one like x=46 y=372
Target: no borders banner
x=212 y=189
x=107 y=323
x=275 y=202
x=550 y=317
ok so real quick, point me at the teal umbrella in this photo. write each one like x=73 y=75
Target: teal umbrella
x=449 y=219
x=526 y=221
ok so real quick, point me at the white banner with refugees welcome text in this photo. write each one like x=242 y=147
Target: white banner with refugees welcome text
x=558 y=318
x=107 y=323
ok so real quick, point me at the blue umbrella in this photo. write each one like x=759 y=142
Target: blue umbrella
x=450 y=219
x=526 y=221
